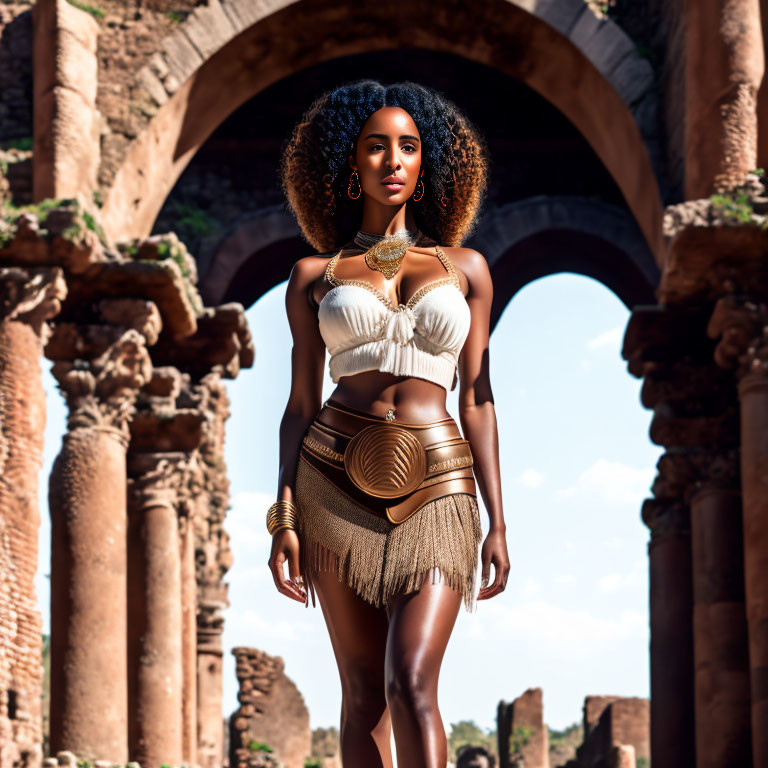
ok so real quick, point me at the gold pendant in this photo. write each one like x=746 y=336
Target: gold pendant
x=387 y=255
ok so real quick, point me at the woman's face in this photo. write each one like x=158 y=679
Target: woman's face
x=389 y=146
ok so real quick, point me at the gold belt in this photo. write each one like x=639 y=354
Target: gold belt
x=390 y=468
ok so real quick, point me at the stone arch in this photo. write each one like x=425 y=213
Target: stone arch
x=247 y=237
x=521 y=241
x=584 y=65
x=543 y=235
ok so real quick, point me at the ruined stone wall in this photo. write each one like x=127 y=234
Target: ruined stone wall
x=129 y=33
x=611 y=722
x=272 y=712
x=22 y=422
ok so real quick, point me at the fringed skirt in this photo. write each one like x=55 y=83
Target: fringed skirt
x=385 y=545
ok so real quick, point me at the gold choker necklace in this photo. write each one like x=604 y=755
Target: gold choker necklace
x=387 y=254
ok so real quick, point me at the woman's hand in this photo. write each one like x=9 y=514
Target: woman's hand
x=494 y=551
x=285 y=546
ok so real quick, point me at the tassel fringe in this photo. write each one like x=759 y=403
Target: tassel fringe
x=379 y=559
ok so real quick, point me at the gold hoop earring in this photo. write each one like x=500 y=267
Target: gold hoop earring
x=349 y=187
x=419 y=182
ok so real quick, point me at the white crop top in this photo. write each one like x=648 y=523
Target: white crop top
x=363 y=331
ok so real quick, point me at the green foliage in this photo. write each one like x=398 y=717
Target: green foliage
x=24 y=144
x=98 y=198
x=193 y=220
x=468 y=732
x=97 y=13
x=259 y=746
x=734 y=208
x=313 y=762
x=642 y=762
x=519 y=738
x=177 y=16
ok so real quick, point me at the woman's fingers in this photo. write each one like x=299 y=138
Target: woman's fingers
x=285 y=586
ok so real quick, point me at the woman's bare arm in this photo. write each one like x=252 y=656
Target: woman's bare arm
x=478 y=415
x=304 y=402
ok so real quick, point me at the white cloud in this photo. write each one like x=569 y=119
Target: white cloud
x=613 y=582
x=530 y=478
x=547 y=626
x=563 y=578
x=614 y=543
x=612 y=481
x=530 y=588
x=611 y=338
x=249 y=623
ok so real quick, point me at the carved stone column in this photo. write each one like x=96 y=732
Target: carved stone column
x=155 y=624
x=742 y=326
x=164 y=486
x=88 y=526
x=188 y=640
x=671 y=602
x=213 y=560
x=723 y=69
x=28 y=298
x=211 y=602
x=722 y=687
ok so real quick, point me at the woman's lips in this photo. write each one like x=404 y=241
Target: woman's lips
x=393 y=186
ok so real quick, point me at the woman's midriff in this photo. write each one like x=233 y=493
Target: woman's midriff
x=414 y=400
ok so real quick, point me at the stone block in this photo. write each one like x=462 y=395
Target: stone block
x=209 y=28
x=604 y=43
x=181 y=56
x=562 y=14
x=632 y=78
x=152 y=85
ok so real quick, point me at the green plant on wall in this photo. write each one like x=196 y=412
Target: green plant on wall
x=519 y=738
x=95 y=12
x=735 y=208
x=23 y=144
x=192 y=219
x=259 y=746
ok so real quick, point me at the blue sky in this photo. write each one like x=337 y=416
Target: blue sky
x=576 y=463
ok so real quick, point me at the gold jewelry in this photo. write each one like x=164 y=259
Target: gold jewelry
x=416 y=190
x=387 y=255
x=282 y=514
x=349 y=186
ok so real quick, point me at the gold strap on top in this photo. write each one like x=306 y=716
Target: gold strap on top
x=452 y=279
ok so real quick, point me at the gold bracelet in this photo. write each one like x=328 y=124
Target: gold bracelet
x=282 y=514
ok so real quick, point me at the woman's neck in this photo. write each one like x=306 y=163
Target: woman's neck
x=385 y=220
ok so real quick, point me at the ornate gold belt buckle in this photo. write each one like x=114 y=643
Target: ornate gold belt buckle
x=385 y=461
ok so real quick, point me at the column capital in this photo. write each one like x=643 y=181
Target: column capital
x=172 y=478
x=32 y=295
x=666 y=518
x=741 y=325
x=101 y=392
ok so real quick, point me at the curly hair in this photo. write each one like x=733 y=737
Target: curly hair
x=314 y=170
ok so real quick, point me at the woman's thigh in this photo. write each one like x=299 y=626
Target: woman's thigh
x=358 y=632
x=420 y=625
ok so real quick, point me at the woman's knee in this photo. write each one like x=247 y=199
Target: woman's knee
x=363 y=692
x=409 y=687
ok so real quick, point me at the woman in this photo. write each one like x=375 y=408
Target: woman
x=376 y=488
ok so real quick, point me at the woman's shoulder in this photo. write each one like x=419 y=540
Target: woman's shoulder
x=468 y=260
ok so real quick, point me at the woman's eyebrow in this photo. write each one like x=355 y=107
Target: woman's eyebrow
x=384 y=136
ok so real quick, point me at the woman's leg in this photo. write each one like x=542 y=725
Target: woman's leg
x=420 y=624
x=358 y=633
